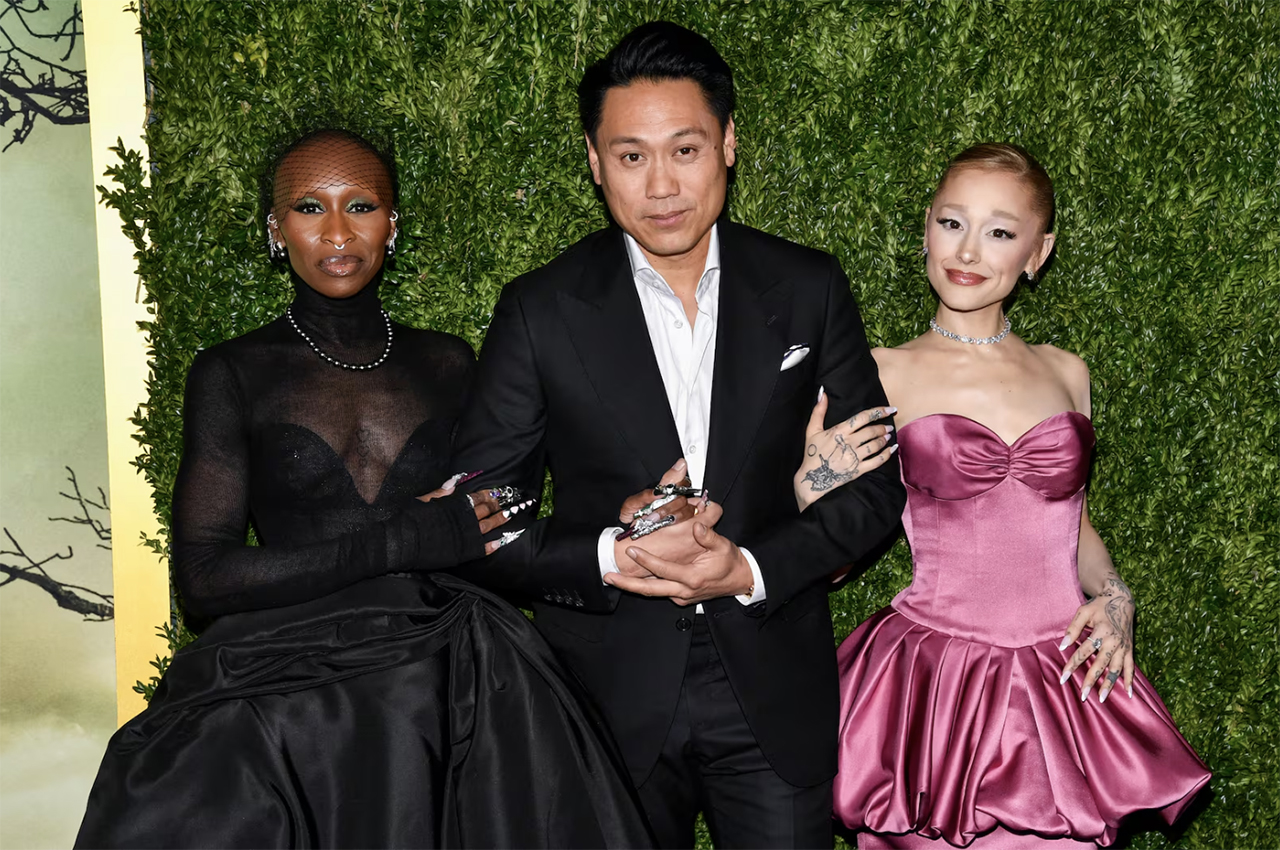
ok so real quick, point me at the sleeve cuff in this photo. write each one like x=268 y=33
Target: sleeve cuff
x=757 y=579
x=604 y=552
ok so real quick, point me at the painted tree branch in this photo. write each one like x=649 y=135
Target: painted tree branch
x=34 y=86
x=85 y=601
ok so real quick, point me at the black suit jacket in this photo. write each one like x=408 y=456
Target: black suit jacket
x=568 y=382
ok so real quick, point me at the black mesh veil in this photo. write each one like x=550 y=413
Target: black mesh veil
x=322 y=159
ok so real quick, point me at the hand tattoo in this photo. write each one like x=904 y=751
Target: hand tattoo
x=824 y=477
x=1119 y=609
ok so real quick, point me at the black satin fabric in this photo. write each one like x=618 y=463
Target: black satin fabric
x=404 y=711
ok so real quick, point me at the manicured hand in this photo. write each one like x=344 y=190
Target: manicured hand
x=487 y=510
x=841 y=453
x=1109 y=617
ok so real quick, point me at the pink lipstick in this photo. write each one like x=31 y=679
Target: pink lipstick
x=960 y=278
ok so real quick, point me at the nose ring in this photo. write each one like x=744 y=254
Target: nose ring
x=340 y=247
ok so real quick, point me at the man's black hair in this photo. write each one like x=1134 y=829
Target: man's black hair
x=652 y=52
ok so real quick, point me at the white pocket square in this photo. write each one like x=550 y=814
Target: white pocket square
x=794 y=356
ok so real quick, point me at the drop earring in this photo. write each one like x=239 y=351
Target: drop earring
x=275 y=250
x=391 y=243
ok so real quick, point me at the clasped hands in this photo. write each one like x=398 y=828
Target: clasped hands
x=687 y=562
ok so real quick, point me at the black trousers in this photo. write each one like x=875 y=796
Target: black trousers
x=710 y=762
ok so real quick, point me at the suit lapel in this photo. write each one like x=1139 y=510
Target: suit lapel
x=750 y=341
x=607 y=329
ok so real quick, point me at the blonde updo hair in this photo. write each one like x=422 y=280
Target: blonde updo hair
x=1002 y=156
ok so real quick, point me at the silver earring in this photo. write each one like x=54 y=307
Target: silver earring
x=391 y=243
x=924 y=250
x=1031 y=277
x=275 y=250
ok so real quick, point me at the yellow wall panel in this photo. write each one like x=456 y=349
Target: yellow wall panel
x=117 y=110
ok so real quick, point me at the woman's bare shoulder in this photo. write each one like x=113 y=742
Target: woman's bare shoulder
x=1070 y=369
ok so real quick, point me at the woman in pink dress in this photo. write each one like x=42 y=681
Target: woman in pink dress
x=995 y=702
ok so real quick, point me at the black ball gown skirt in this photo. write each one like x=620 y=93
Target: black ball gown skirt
x=403 y=711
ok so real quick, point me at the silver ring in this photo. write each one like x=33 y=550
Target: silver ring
x=505 y=496
x=470 y=501
x=1097 y=644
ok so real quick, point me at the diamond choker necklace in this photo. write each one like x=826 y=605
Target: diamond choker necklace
x=970 y=340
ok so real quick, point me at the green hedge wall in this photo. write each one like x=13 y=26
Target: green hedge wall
x=1160 y=122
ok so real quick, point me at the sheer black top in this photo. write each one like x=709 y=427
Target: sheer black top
x=326 y=462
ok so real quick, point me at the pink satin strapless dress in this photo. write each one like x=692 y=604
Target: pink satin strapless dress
x=952 y=721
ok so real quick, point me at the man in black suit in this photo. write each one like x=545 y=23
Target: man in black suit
x=676 y=334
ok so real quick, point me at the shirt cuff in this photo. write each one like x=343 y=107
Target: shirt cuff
x=604 y=552
x=757 y=579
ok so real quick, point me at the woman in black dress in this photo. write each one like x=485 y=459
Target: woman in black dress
x=347 y=693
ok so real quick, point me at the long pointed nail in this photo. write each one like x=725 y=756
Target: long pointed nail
x=1065 y=676
x=888 y=429
x=1084 y=693
x=1104 y=696
x=889 y=411
x=822 y=391
x=1066 y=641
x=893 y=448
x=1130 y=690
x=509 y=538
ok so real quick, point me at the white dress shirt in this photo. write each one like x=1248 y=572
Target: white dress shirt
x=686 y=359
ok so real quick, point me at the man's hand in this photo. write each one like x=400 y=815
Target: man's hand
x=676 y=543
x=678 y=546
x=717 y=569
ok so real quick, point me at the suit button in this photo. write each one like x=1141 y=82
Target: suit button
x=684 y=624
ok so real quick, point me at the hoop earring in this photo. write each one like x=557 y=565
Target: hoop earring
x=391 y=243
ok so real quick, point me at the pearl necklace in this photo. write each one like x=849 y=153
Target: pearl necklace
x=288 y=312
x=969 y=340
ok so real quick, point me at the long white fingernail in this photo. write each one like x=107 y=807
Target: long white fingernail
x=822 y=391
x=1130 y=690
x=888 y=429
x=893 y=448
x=889 y=411
x=1066 y=641
x=1084 y=693
x=1065 y=676
x=1104 y=696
